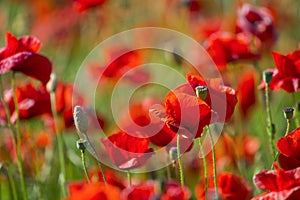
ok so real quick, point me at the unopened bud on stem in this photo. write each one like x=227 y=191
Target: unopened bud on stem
x=52 y=83
x=80 y=120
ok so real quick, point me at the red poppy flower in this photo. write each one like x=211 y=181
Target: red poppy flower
x=126 y=151
x=174 y=191
x=225 y=47
x=289 y=147
x=20 y=55
x=143 y=120
x=246 y=92
x=280 y=184
x=32 y=102
x=216 y=91
x=287 y=73
x=82 y=5
x=187 y=112
x=230 y=187
x=257 y=21
x=92 y=191
x=145 y=190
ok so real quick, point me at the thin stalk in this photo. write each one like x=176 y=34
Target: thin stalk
x=60 y=145
x=129 y=178
x=296 y=112
x=12 y=184
x=11 y=180
x=270 y=128
x=214 y=162
x=168 y=172
x=84 y=165
x=205 y=169
x=286 y=133
x=179 y=161
x=18 y=140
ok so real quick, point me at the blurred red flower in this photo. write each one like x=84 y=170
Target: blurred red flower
x=246 y=91
x=289 y=147
x=174 y=191
x=92 y=191
x=82 y=5
x=225 y=47
x=281 y=184
x=20 y=55
x=230 y=187
x=120 y=60
x=126 y=151
x=287 y=73
x=32 y=102
x=144 y=191
x=257 y=21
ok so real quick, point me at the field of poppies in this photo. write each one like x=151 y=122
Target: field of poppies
x=170 y=99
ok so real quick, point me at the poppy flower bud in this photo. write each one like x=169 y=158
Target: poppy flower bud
x=288 y=113
x=267 y=76
x=80 y=120
x=173 y=154
x=80 y=144
x=52 y=83
x=201 y=91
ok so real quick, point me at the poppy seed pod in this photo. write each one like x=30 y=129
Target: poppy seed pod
x=288 y=113
x=80 y=144
x=173 y=153
x=267 y=76
x=52 y=83
x=201 y=92
x=80 y=120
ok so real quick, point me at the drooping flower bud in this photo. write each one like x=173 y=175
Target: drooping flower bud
x=288 y=113
x=201 y=91
x=80 y=120
x=52 y=83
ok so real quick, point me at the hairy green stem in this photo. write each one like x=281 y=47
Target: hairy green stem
x=205 y=169
x=84 y=166
x=129 y=178
x=18 y=138
x=60 y=145
x=270 y=128
x=181 y=175
x=12 y=184
x=214 y=162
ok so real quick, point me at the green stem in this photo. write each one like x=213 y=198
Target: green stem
x=12 y=184
x=129 y=178
x=60 y=145
x=205 y=169
x=214 y=162
x=286 y=133
x=84 y=166
x=270 y=128
x=179 y=161
x=168 y=172
x=296 y=110
x=18 y=141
